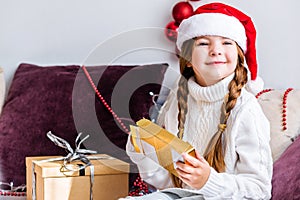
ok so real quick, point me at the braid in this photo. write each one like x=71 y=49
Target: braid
x=214 y=153
x=182 y=93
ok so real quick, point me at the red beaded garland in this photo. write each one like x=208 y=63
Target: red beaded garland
x=103 y=100
x=262 y=92
x=284 y=105
x=141 y=188
x=12 y=193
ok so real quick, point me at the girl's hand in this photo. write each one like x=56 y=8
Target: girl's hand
x=195 y=173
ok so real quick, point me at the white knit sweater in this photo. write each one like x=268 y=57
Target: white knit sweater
x=248 y=156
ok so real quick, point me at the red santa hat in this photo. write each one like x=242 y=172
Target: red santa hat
x=223 y=20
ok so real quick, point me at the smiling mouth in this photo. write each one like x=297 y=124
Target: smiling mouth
x=216 y=63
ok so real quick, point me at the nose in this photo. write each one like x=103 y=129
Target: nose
x=216 y=50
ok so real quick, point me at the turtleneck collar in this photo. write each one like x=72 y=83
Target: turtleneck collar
x=210 y=93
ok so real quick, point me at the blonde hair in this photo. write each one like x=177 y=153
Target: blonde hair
x=215 y=150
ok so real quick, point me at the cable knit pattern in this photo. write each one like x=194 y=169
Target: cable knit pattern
x=248 y=155
x=207 y=101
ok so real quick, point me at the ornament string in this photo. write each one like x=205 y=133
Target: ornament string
x=103 y=100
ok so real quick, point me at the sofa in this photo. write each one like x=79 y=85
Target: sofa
x=60 y=99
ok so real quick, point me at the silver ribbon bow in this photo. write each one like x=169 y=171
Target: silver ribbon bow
x=73 y=154
x=77 y=154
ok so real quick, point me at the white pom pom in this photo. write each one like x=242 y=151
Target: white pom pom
x=255 y=86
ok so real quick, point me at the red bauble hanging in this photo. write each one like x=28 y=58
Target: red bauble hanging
x=171 y=31
x=181 y=11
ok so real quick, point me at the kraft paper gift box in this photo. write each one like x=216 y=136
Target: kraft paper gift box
x=167 y=147
x=110 y=179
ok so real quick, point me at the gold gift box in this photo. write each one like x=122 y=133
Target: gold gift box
x=110 y=179
x=168 y=147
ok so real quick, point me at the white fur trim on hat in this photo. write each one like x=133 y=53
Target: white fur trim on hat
x=255 y=86
x=212 y=24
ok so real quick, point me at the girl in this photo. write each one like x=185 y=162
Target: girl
x=212 y=111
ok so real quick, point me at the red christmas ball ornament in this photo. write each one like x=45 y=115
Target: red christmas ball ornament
x=171 y=31
x=181 y=11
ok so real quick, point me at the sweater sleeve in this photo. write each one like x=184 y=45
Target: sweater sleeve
x=252 y=175
x=149 y=170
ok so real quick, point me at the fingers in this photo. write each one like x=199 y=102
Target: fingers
x=198 y=155
x=184 y=168
x=183 y=175
x=196 y=172
x=191 y=163
x=195 y=162
x=189 y=174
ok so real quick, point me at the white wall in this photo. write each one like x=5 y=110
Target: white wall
x=52 y=32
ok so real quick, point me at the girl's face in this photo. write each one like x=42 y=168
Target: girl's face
x=213 y=58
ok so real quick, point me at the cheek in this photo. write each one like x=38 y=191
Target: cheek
x=232 y=66
x=233 y=58
x=197 y=58
x=195 y=63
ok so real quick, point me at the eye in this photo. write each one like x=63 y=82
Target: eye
x=227 y=42
x=202 y=43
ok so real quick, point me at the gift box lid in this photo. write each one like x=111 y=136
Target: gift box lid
x=103 y=165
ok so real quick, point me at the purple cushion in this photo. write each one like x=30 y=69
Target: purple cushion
x=286 y=174
x=60 y=99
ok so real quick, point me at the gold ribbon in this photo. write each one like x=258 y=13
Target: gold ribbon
x=163 y=141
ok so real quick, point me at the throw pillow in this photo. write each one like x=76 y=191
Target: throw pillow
x=60 y=99
x=2 y=88
x=286 y=174
x=272 y=102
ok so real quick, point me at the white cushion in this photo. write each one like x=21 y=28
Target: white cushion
x=271 y=103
